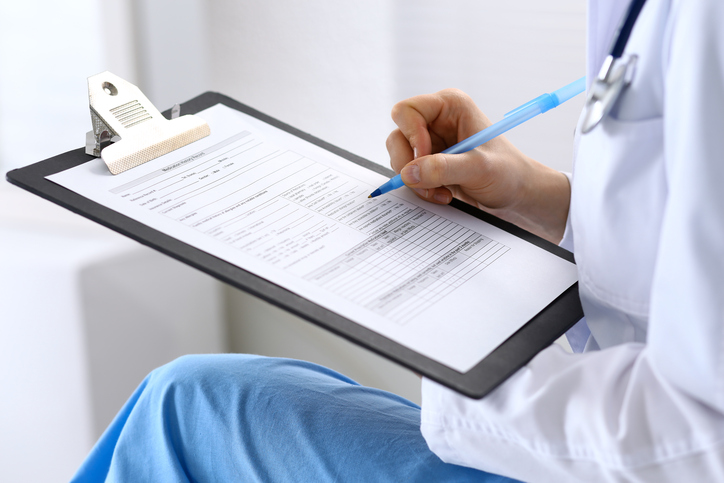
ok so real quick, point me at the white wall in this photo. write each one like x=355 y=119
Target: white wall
x=336 y=68
x=47 y=50
x=502 y=53
x=324 y=66
x=171 y=49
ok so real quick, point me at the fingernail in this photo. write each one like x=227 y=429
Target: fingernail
x=441 y=197
x=421 y=192
x=414 y=153
x=411 y=174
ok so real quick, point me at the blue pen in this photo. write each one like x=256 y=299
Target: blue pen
x=517 y=116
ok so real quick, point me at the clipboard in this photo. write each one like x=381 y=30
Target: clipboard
x=537 y=334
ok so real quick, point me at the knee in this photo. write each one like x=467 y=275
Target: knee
x=241 y=377
x=183 y=366
x=197 y=370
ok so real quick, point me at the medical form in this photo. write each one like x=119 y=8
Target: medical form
x=432 y=278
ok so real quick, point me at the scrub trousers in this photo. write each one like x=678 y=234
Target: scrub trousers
x=246 y=418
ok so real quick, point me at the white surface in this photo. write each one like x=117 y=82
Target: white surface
x=221 y=202
x=85 y=315
x=46 y=398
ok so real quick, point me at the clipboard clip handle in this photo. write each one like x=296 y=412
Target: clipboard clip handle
x=128 y=130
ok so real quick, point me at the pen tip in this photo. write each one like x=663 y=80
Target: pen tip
x=370 y=196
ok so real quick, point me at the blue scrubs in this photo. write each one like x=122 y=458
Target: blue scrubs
x=249 y=418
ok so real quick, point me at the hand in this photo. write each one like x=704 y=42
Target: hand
x=495 y=177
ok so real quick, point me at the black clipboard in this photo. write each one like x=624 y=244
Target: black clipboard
x=511 y=355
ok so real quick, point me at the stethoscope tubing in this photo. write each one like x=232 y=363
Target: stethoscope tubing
x=624 y=29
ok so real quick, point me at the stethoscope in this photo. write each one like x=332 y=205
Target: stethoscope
x=616 y=73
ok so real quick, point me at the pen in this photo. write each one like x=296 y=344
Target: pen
x=517 y=116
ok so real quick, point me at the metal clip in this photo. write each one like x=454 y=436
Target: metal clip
x=123 y=115
x=615 y=75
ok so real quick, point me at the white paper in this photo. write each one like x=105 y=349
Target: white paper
x=429 y=277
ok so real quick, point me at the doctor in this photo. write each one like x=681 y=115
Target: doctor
x=644 y=401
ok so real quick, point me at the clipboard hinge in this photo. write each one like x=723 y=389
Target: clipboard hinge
x=128 y=130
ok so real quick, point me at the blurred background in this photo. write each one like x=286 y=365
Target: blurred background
x=86 y=313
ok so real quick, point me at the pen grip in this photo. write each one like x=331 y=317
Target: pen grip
x=504 y=125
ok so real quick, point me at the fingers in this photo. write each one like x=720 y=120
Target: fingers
x=413 y=116
x=443 y=170
x=441 y=196
x=401 y=153
x=433 y=122
x=429 y=124
x=400 y=150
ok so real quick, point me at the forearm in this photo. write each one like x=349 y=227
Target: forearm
x=541 y=206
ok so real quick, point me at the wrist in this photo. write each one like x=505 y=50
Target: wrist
x=542 y=201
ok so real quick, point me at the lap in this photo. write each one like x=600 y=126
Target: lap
x=238 y=417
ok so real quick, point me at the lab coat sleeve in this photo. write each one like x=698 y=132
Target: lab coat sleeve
x=633 y=412
x=687 y=341
x=567 y=240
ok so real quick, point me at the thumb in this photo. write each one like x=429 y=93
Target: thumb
x=439 y=170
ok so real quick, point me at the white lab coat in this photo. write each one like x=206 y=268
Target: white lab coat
x=647 y=228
